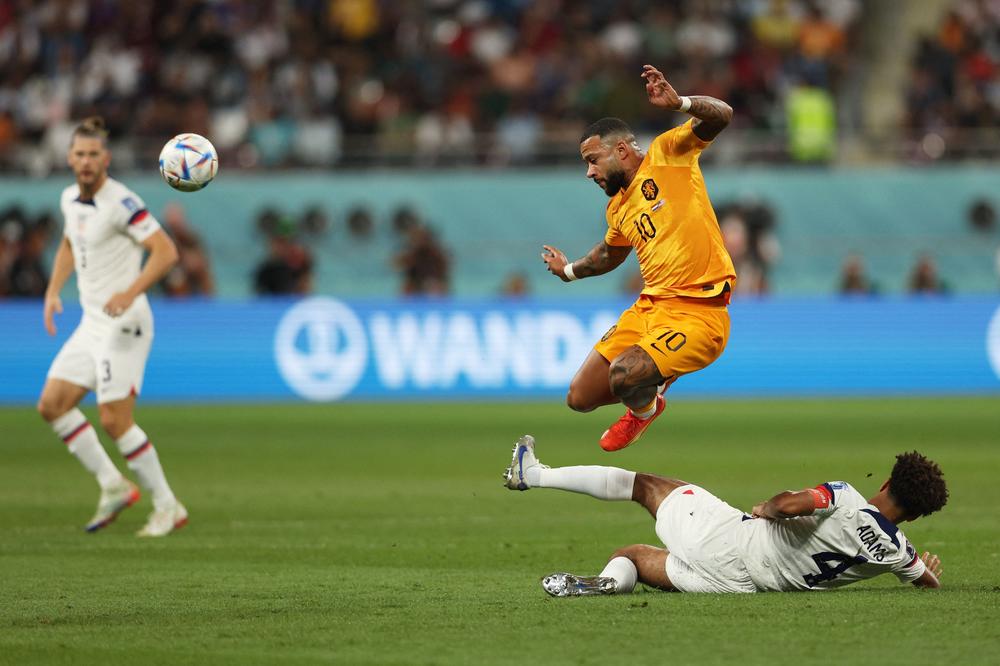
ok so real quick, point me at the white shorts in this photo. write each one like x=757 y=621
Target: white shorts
x=700 y=532
x=107 y=357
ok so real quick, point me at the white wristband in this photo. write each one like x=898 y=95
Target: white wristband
x=568 y=272
x=685 y=104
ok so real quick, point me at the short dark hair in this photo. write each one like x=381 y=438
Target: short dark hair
x=606 y=127
x=92 y=128
x=917 y=485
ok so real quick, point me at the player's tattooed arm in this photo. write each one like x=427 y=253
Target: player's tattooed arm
x=601 y=259
x=711 y=115
x=787 y=504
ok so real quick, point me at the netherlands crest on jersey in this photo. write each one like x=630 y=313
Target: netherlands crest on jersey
x=649 y=189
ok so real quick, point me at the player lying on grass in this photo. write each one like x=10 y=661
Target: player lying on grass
x=817 y=538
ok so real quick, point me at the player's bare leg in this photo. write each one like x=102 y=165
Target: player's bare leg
x=637 y=563
x=649 y=490
x=58 y=406
x=168 y=514
x=590 y=388
x=629 y=565
x=635 y=381
x=58 y=397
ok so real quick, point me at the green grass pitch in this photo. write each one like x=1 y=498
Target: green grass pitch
x=354 y=534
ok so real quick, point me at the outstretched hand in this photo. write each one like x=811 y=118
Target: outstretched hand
x=555 y=261
x=660 y=92
x=932 y=562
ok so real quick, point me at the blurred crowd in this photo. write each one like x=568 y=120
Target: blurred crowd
x=955 y=80
x=318 y=82
x=923 y=277
x=423 y=263
x=24 y=240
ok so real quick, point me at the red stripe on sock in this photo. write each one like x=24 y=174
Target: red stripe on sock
x=139 y=450
x=80 y=428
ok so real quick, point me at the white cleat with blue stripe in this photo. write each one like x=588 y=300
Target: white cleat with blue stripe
x=523 y=459
x=113 y=501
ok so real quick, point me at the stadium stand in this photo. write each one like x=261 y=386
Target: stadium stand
x=354 y=82
x=448 y=84
x=954 y=87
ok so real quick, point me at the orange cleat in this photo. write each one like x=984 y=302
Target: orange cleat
x=629 y=428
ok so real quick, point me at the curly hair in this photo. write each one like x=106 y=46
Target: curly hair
x=917 y=485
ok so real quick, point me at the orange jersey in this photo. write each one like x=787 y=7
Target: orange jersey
x=666 y=216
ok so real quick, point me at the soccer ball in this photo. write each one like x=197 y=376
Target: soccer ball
x=188 y=162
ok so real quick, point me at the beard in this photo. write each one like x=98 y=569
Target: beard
x=614 y=182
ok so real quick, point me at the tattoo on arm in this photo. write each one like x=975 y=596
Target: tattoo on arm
x=600 y=260
x=711 y=116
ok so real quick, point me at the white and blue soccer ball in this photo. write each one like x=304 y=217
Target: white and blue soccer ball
x=188 y=162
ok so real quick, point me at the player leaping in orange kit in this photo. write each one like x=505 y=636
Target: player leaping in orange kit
x=660 y=207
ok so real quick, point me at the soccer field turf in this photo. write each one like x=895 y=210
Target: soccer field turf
x=381 y=534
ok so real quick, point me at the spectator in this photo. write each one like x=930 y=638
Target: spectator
x=982 y=216
x=12 y=223
x=192 y=275
x=288 y=267
x=360 y=223
x=747 y=232
x=424 y=263
x=315 y=222
x=269 y=222
x=812 y=120
x=924 y=278
x=854 y=277
x=28 y=275
x=404 y=219
x=515 y=285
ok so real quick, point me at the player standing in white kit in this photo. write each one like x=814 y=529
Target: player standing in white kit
x=107 y=230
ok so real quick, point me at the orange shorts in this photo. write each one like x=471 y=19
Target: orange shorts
x=680 y=334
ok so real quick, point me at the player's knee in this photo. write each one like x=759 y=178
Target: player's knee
x=628 y=552
x=650 y=490
x=578 y=402
x=49 y=409
x=114 y=424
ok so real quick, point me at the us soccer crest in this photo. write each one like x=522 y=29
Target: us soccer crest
x=649 y=189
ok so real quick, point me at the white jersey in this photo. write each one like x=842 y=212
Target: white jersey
x=105 y=234
x=842 y=543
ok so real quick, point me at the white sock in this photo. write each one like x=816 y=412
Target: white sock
x=142 y=460
x=623 y=571
x=606 y=483
x=81 y=440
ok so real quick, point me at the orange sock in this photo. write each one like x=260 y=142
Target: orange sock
x=646 y=411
